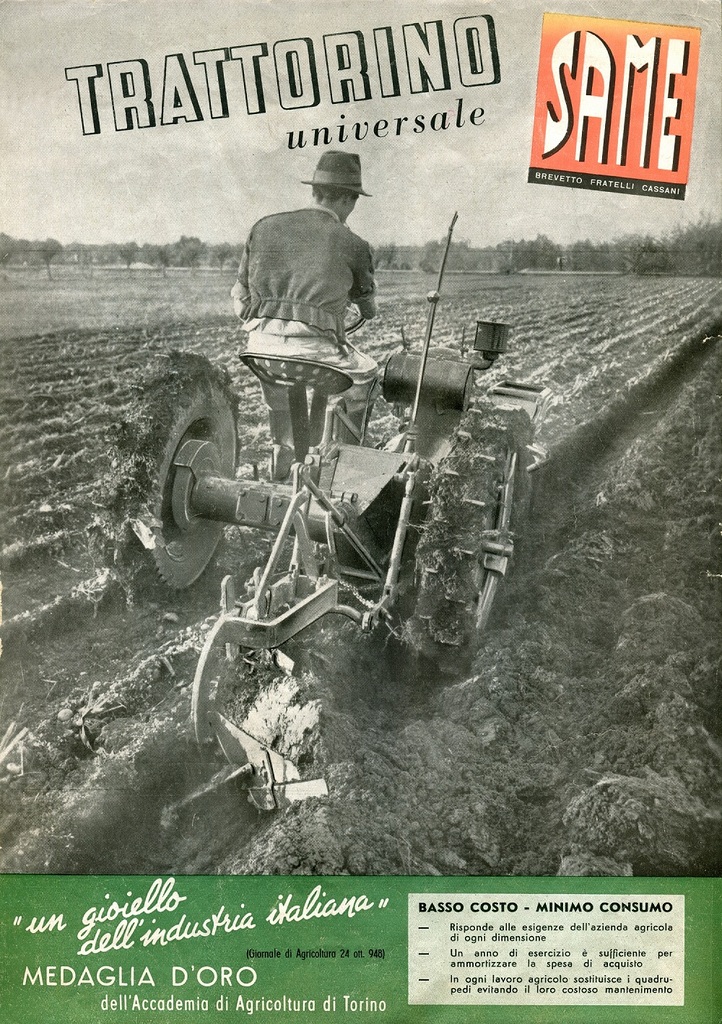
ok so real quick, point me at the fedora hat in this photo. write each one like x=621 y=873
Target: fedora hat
x=340 y=169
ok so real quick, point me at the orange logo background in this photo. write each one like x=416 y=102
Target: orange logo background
x=615 y=98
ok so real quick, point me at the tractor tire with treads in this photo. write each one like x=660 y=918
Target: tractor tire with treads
x=188 y=398
x=454 y=589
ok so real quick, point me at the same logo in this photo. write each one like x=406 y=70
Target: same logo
x=614 y=105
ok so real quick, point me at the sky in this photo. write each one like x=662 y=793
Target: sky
x=213 y=176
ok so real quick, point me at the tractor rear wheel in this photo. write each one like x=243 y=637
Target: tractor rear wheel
x=478 y=495
x=188 y=399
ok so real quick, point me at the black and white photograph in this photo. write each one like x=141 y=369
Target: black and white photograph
x=360 y=480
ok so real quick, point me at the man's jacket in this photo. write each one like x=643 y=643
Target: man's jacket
x=305 y=266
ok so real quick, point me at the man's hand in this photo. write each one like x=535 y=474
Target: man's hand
x=366 y=306
x=239 y=303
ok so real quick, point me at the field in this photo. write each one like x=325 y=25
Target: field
x=582 y=738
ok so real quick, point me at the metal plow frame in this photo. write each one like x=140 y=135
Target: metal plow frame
x=280 y=607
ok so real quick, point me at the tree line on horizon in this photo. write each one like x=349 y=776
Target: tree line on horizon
x=188 y=252
x=694 y=250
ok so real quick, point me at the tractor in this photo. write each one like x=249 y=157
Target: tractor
x=424 y=523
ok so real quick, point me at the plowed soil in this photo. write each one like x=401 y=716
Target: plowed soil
x=581 y=737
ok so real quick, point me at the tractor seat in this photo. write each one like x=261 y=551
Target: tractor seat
x=298 y=375
x=325 y=380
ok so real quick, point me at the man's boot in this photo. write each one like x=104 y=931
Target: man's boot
x=282 y=454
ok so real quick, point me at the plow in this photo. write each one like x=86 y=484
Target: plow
x=422 y=528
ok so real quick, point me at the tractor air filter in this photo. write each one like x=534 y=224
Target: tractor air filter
x=490 y=338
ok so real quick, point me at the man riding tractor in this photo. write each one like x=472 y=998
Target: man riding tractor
x=299 y=272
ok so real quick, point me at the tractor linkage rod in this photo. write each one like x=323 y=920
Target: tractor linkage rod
x=433 y=299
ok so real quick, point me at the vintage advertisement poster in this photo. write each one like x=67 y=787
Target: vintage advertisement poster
x=360 y=492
